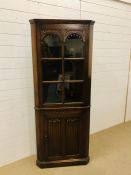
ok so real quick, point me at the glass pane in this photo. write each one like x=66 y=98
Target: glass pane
x=73 y=70
x=74 y=46
x=52 y=93
x=73 y=92
x=52 y=70
x=51 y=46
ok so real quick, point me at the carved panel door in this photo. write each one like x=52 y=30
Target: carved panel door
x=63 y=136
x=54 y=130
x=72 y=136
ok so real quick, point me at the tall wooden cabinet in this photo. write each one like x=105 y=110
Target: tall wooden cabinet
x=62 y=51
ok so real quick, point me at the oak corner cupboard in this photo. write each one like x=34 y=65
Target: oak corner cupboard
x=62 y=56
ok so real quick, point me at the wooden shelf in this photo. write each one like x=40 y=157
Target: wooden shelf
x=51 y=82
x=50 y=59
x=65 y=107
x=74 y=59
x=73 y=102
x=66 y=81
x=73 y=81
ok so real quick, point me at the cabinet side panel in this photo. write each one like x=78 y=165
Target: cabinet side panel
x=89 y=69
x=35 y=63
x=90 y=51
x=88 y=65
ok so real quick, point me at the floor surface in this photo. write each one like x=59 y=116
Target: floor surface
x=110 y=154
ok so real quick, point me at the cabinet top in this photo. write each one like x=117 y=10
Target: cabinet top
x=61 y=21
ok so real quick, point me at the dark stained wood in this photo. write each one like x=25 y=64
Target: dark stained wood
x=63 y=77
x=35 y=63
x=50 y=59
x=89 y=62
x=62 y=128
x=74 y=81
x=47 y=82
x=79 y=107
x=62 y=163
x=72 y=134
x=74 y=59
x=54 y=137
x=61 y=21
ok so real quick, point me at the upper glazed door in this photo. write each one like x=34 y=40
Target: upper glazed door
x=51 y=45
x=62 y=55
x=73 y=44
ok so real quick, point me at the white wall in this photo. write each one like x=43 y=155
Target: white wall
x=128 y=108
x=112 y=36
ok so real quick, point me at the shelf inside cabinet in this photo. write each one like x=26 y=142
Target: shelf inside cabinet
x=50 y=82
x=64 y=105
x=74 y=81
x=66 y=81
x=50 y=59
x=77 y=59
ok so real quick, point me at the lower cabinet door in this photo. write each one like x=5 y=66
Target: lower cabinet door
x=65 y=134
x=54 y=131
x=72 y=136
